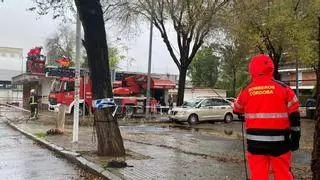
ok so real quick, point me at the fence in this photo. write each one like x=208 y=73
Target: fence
x=139 y=110
x=17 y=101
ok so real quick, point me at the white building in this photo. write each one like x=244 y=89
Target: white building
x=11 y=58
x=11 y=65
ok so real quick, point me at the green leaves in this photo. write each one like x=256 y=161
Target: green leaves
x=277 y=27
x=114 y=57
x=204 y=68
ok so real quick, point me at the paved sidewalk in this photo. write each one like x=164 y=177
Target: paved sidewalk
x=149 y=161
x=157 y=152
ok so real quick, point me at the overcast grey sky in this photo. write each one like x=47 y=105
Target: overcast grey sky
x=24 y=29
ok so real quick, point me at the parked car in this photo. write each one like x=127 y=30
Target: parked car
x=310 y=108
x=203 y=109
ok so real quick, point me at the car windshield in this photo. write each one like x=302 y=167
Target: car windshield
x=56 y=86
x=191 y=103
x=68 y=86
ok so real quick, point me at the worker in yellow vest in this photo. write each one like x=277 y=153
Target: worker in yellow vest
x=33 y=101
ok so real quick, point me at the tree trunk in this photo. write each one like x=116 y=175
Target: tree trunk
x=182 y=83
x=110 y=142
x=315 y=163
x=276 y=74
x=61 y=118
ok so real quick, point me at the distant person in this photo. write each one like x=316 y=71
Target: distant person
x=33 y=102
x=272 y=119
x=163 y=108
x=170 y=102
x=153 y=104
x=158 y=105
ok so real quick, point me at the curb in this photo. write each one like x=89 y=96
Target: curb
x=74 y=157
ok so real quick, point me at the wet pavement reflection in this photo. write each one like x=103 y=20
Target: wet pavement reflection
x=21 y=158
x=166 y=150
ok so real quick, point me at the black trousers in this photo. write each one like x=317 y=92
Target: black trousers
x=34 y=110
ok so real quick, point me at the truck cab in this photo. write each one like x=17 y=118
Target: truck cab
x=62 y=92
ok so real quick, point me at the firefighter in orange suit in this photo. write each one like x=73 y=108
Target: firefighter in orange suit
x=153 y=104
x=272 y=120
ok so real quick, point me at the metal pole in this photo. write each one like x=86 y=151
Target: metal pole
x=77 y=83
x=149 y=61
x=84 y=95
x=297 y=78
x=21 y=63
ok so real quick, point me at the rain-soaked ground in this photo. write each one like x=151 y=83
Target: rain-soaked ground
x=220 y=135
x=21 y=158
x=178 y=151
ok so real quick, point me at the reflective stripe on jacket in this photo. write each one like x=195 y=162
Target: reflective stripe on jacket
x=33 y=100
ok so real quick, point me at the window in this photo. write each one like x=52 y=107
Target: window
x=223 y=102
x=69 y=86
x=208 y=102
x=220 y=102
x=300 y=78
x=56 y=86
x=5 y=85
x=191 y=103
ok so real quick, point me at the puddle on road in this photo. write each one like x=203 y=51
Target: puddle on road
x=145 y=128
x=159 y=128
x=186 y=130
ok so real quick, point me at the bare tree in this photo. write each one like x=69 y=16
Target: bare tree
x=62 y=43
x=112 y=9
x=192 y=20
x=61 y=8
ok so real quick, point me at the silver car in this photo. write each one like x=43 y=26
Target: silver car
x=203 y=109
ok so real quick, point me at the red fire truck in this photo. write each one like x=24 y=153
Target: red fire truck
x=62 y=90
x=130 y=97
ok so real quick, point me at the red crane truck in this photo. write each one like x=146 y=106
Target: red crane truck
x=130 y=96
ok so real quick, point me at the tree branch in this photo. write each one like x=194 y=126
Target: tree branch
x=295 y=9
x=161 y=27
x=195 y=48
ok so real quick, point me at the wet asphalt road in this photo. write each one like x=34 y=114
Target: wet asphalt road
x=21 y=159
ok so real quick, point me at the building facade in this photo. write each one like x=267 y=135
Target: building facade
x=11 y=58
x=11 y=65
x=303 y=77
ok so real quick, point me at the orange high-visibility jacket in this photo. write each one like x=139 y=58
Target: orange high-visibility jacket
x=271 y=110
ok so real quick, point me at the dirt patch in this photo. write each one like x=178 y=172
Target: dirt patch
x=84 y=175
x=302 y=172
x=104 y=160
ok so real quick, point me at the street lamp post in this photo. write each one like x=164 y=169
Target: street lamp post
x=297 y=78
x=77 y=83
x=149 y=60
